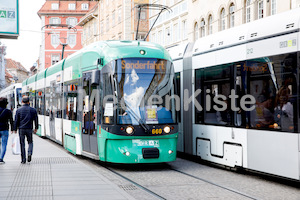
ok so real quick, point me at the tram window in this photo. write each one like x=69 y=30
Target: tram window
x=71 y=101
x=198 y=86
x=274 y=86
x=58 y=105
x=40 y=102
x=19 y=96
x=106 y=84
x=178 y=85
x=12 y=101
x=216 y=92
x=240 y=90
x=47 y=101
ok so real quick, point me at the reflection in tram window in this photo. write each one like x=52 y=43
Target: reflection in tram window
x=273 y=84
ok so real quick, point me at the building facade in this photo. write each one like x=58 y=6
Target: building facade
x=16 y=70
x=59 y=22
x=193 y=19
x=114 y=20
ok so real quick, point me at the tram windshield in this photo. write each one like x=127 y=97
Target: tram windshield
x=144 y=89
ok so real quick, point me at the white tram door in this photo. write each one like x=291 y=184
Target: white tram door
x=55 y=112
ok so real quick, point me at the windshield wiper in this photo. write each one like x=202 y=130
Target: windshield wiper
x=137 y=118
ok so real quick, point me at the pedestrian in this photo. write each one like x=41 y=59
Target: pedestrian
x=5 y=118
x=24 y=122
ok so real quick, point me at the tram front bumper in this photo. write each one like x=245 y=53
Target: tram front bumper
x=154 y=150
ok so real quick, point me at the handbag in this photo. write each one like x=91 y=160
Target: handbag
x=16 y=150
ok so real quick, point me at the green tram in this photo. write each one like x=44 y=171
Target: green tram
x=111 y=101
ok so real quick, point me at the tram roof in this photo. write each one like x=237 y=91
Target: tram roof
x=112 y=50
x=57 y=67
x=31 y=79
x=24 y=82
x=41 y=75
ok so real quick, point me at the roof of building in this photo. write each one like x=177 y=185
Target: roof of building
x=63 y=8
x=11 y=64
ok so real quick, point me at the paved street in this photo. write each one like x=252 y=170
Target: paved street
x=53 y=174
x=56 y=174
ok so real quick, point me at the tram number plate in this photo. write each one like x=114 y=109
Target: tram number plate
x=152 y=143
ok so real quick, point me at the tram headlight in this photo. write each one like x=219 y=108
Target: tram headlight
x=167 y=129
x=129 y=130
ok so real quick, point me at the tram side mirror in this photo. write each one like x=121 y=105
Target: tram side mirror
x=95 y=79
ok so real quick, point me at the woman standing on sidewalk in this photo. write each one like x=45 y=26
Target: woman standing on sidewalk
x=5 y=118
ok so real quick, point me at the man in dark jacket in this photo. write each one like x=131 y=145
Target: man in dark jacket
x=24 y=122
x=5 y=117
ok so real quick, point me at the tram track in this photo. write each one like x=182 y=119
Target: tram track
x=167 y=166
x=215 y=184
x=135 y=183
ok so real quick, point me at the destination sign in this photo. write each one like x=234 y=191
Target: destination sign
x=150 y=65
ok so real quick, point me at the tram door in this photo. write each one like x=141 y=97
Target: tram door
x=89 y=115
x=52 y=109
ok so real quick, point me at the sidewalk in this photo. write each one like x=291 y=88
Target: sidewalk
x=54 y=174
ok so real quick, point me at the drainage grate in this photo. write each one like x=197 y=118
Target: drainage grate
x=128 y=187
x=54 y=160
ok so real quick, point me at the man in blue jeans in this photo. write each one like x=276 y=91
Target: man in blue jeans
x=5 y=118
x=24 y=122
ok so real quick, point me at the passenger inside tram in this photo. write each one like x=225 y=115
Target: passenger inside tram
x=283 y=113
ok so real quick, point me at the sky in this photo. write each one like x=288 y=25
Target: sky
x=26 y=48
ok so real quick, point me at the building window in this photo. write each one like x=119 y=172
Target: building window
x=55 y=39
x=210 y=24
x=54 y=20
x=153 y=38
x=54 y=6
x=119 y=15
x=107 y=23
x=222 y=20
x=72 y=40
x=101 y=28
x=202 y=28
x=113 y=19
x=84 y=6
x=273 y=7
x=176 y=33
x=159 y=38
x=260 y=9
x=95 y=28
x=248 y=11
x=231 y=15
x=168 y=35
x=184 y=35
x=143 y=14
x=72 y=21
x=196 y=32
x=72 y=6
x=54 y=58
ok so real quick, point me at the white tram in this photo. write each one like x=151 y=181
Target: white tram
x=13 y=93
x=260 y=59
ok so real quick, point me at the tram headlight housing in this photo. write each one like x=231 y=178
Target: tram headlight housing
x=129 y=130
x=167 y=129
